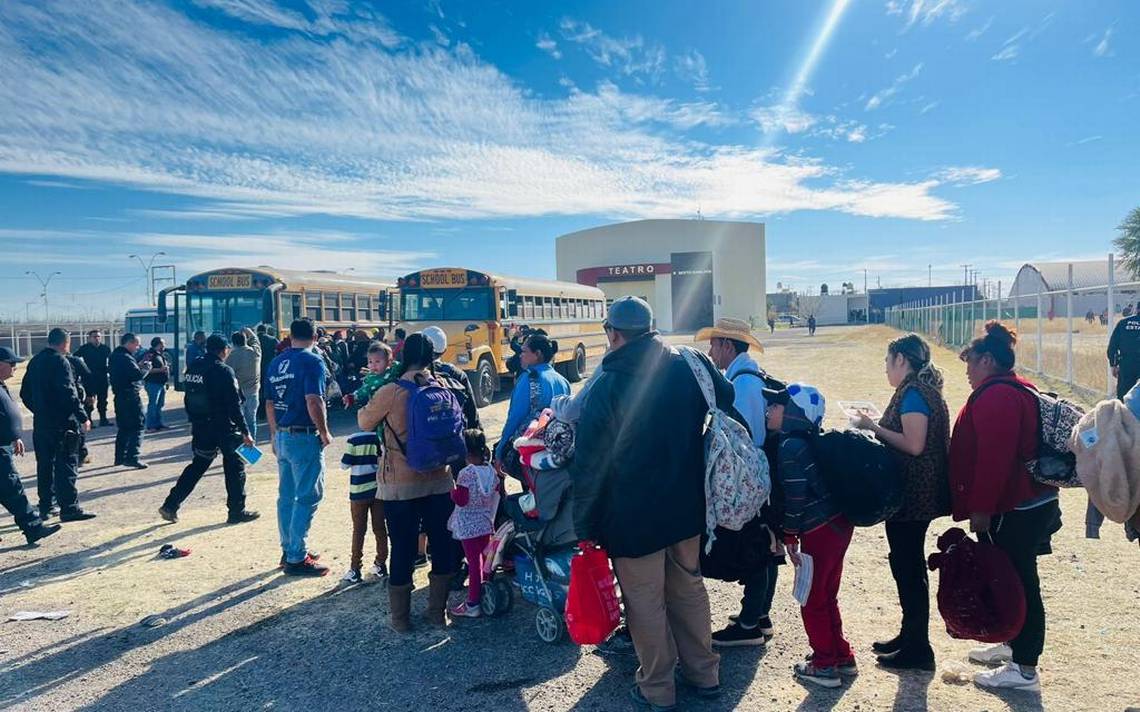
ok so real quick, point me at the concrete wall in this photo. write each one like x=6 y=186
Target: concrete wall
x=738 y=257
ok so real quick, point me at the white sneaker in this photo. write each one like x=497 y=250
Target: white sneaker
x=378 y=572
x=991 y=654
x=1008 y=677
x=351 y=578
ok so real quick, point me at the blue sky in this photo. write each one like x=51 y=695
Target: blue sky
x=329 y=134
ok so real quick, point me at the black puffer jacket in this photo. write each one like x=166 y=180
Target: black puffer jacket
x=48 y=390
x=639 y=464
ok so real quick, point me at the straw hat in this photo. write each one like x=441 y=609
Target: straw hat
x=736 y=329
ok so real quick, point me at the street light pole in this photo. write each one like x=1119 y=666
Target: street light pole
x=44 y=285
x=147 y=267
x=966 y=275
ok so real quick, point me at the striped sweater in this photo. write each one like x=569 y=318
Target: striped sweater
x=362 y=457
x=808 y=503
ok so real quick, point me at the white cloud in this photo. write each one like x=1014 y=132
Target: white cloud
x=1006 y=53
x=355 y=128
x=439 y=36
x=331 y=18
x=926 y=12
x=789 y=119
x=977 y=32
x=1086 y=139
x=968 y=175
x=632 y=56
x=884 y=95
x=691 y=67
x=1011 y=48
x=928 y=107
x=1102 y=48
x=547 y=44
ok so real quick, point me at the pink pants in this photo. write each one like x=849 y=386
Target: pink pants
x=473 y=550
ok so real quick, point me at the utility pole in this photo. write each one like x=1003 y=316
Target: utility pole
x=929 y=275
x=44 y=285
x=966 y=275
x=864 y=280
x=147 y=270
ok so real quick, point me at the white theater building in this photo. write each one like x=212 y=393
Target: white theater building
x=691 y=272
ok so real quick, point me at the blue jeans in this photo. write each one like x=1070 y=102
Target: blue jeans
x=155 y=399
x=249 y=412
x=301 y=470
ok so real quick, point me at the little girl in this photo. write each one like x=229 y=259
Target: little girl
x=476 y=497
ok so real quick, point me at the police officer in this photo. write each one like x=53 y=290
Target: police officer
x=452 y=377
x=126 y=381
x=49 y=392
x=81 y=376
x=11 y=446
x=213 y=405
x=1124 y=353
x=96 y=354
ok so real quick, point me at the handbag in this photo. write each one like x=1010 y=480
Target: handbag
x=592 y=608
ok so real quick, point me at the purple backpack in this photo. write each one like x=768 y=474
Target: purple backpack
x=435 y=427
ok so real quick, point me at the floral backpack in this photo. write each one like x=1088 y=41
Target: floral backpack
x=737 y=481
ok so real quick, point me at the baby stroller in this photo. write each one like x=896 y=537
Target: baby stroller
x=540 y=549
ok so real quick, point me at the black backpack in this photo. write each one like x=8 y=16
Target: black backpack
x=861 y=474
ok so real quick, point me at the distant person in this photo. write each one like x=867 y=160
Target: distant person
x=11 y=446
x=771 y=325
x=298 y=428
x=48 y=390
x=245 y=360
x=268 y=351
x=217 y=425
x=1124 y=353
x=96 y=354
x=126 y=382
x=811 y=325
x=81 y=376
x=452 y=377
x=995 y=435
x=639 y=441
x=1128 y=311
x=916 y=426
x=196 y=349
x=155 y=383
x=398 y=349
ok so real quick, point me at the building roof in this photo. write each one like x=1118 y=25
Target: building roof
x=1086 y=273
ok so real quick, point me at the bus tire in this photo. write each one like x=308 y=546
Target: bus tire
x=576 y=367
x=484 y=382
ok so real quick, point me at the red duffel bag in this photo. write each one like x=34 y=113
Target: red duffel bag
x=592 y=608
x=980 y=595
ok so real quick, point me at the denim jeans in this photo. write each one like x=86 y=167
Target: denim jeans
x=249 y=412
x=301 y=470
x=155 y=399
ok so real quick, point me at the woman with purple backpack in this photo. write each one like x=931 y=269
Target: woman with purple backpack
x=412 y=496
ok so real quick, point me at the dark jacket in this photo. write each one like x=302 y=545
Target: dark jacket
x=11 y=422
x=81 y=376
x=213 y=397
x=126 y=378
x=49 y=392
x=807 y=501
x=157 y=359
x=639 y=464
x=457 y=382
x=268 y=350
x=96 y=359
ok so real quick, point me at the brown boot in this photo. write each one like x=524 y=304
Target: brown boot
x=400 y=603
x=439 y=585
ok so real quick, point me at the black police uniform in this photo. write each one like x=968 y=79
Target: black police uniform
x=1124 y=351
x=82 y=377
x=96 y=358
x=126 y=383
x=12 y=495
x=49 y=392
x=213 y=405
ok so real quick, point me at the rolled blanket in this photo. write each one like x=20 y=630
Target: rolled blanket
x=1106 y=443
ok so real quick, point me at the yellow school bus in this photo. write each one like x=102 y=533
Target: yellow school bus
x=479 y=313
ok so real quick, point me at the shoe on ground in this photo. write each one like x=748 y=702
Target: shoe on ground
x=48 y=513
x=242 y=517
x=847 y=668
x=1008 y=677
x=308 y=554
x=465 y=610
x=41 y=532
x=620 y=643
x=735 y=635
x=135 y=464
x=351 y=578
x=705 y=693
x=308 y=567
x=169 y=515
x=909 y=659
x=421 y=560
x=75 y=515
x=824 y=677
x=991 y=654
x=765 y=625
x=888 y=647
x=639 y=699
x=378 y=571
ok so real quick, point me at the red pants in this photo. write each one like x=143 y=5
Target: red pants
x=473 y=550
x=827 y=545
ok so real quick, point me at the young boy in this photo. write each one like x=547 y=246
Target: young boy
x=813 y=525
x=362 y=458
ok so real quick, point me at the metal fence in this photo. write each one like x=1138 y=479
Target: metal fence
x=27 y=339
x=1054 y=343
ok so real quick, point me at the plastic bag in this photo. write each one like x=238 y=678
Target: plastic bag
x=592 y=608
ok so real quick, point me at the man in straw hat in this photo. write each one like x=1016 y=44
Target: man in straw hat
x=730 y=341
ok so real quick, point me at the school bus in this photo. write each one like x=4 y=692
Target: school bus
x=479 y=312
x=222 y=301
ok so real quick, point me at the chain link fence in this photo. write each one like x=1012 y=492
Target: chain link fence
x=1061 y=334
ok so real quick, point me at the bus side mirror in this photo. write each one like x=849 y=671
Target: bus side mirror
x=512 y=302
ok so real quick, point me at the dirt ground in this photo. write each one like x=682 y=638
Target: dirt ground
x=240 y=636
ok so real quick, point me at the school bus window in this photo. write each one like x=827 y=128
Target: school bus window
x=548 y=307
x=364 y=306
x=332 y=307
x=348 y=307
x=313 y=305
